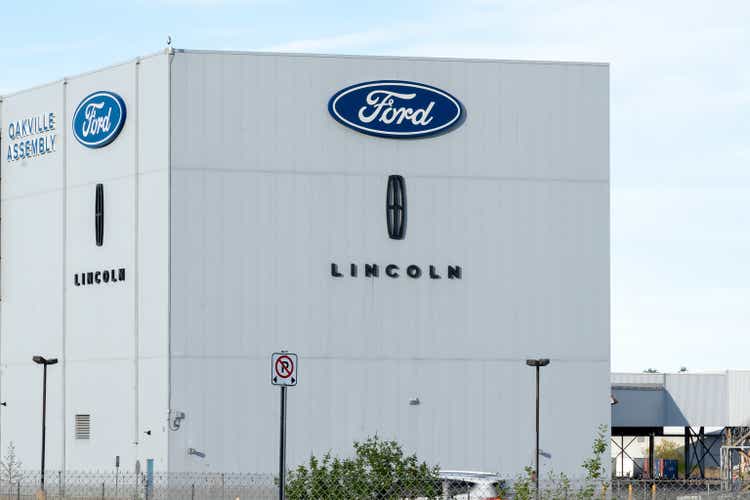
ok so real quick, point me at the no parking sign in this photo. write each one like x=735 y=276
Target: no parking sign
x=284 y=369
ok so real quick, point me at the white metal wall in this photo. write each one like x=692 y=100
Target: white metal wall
x=111 y=338
x=700 y=398
x=31 y=284
x=267 y=190
x=738 y=387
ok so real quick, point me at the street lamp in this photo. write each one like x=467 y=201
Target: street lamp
x=537 y=363
x=45 y=363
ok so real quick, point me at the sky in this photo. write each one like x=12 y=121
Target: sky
x=680 y=121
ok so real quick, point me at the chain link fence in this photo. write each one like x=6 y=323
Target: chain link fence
x=447 y=486
x=693 y=489
x=129 y=486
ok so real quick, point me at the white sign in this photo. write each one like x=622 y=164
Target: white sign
x=284 y=368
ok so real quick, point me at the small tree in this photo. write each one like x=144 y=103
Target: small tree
x=10 y=467
x=523 y=485
x=379 y=470
x=670 y=451
x=556 y=486
x=594 y=466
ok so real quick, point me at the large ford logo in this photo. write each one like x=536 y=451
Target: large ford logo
x=99 y=119
x=397 y=109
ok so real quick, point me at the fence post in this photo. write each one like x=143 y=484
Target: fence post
x=653 y=491
x=223 y=491
x=630 y=491
x=192 y=491
x=59 y=484
x=102 y=490
x=18 y=490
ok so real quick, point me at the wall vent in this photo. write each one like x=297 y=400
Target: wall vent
x=83 y=426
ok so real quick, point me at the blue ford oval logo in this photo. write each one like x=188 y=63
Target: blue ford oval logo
x=394 y=108
x=99 y=119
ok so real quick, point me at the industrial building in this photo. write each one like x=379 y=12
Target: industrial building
x=414 y=229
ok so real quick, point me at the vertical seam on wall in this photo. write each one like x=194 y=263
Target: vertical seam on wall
x=136 y=269
x=170 y=58
x=64 y=269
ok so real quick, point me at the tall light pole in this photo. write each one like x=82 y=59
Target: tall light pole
x=537 y=363
x=40 y=360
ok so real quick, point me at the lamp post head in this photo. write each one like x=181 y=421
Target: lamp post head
x=537 y=362
x=41 y=360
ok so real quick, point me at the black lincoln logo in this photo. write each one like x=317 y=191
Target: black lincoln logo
x=395 y=207
x=395 y=216
x=99 y=215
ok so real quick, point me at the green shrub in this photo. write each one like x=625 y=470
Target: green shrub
x=378 y=470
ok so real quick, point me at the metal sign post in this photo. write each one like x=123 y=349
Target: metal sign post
x=282 y=445
x=284 y=374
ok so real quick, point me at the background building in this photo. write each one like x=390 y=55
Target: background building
x=705 y=416
x=231 y=207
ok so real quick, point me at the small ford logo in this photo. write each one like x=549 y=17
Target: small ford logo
x=396 y=109
x=99 y=119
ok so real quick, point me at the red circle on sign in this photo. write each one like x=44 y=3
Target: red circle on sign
x=284 y=366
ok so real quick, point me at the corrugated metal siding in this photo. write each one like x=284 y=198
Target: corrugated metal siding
x=695 y=399
x=738 y=389
x=268 y=190
x=701 y=398
x=111 y=339
x=32 y=281
x=637 y=378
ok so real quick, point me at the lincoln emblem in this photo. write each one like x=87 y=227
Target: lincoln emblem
x=395 y=207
